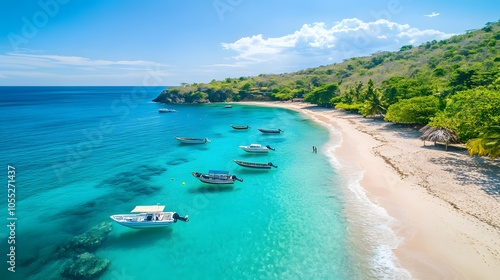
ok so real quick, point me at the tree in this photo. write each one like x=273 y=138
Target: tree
x=393 y=88
x=417 y=110
x=405 y=48
x=487 y=144
x=246 y=86
x=322 y=95
x=315 y=81
x=469 y=112
x=373 y=104
x=461 y=79
x=284 y=94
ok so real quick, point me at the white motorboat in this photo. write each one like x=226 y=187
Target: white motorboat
x=151 y=216
x=256 y=148
x=166 y=110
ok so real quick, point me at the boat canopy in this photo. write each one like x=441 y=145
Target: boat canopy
x=148 y=209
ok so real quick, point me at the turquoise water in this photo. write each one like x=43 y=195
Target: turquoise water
x=84 y=153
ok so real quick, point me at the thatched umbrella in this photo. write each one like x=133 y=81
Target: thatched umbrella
x=440 y=134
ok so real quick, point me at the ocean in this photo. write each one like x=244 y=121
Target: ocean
x=81 y=154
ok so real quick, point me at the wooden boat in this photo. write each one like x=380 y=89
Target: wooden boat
x=165 y=110
x=256 y=148
x=255 y=165
x=216 y=177
x=240 y=127
x=228 y=106
x=151 y=216
x=270 y=131
x=188 y=140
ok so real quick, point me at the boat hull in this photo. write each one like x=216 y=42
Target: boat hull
x=255 y=149
x=186 y=140
x=216 y=178
x=137 y=221
x=240 y=127
x=166 y=110
x=270 y=131
x=215 y=181
x=254 y=165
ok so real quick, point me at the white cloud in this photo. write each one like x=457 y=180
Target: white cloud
x=433 y=14
x=23 y=60
x=74 y=69
x=319 y=42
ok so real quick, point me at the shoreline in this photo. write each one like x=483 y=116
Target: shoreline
x=448 y=224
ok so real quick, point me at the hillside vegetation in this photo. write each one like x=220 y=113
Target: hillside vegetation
x=452 y=84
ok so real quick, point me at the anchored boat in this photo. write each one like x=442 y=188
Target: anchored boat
x=188 y=140
x=270 y=131
x=256 y=148
x=216 y=177
x=151 y=216
x=255 y=165
x=165 y=110
x=240 y=127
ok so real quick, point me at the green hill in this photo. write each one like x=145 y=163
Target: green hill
x=426 y=84
x=432 y=63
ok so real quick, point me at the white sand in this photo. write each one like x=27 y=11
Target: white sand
x=449 y=225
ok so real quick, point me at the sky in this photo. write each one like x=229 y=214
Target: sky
x=170 y=42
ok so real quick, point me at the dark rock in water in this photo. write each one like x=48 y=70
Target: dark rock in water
x=85 y=266
x=129 y=180
x=151 y=170
x=177 y=161
x=88 y=241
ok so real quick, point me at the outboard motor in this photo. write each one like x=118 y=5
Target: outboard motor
x=269 y=147
x=271 y=164
x=236 y=178
x=178 y=217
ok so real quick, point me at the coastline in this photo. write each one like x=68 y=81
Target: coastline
x=448 y=225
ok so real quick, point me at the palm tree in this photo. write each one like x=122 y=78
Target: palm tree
x=487 y=144
x=374 y=104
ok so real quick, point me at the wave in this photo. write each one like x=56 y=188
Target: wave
x=370 y=226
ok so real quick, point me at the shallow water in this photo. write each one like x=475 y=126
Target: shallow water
x=84 y=153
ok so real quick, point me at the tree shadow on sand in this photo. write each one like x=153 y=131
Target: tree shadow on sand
x=442 y=147
x=474 y=171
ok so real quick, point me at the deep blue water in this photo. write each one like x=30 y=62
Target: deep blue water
x=82 y=154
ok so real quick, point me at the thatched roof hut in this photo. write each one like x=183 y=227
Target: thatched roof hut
x=442 y=135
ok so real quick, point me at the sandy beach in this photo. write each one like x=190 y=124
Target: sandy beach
x=446 y=203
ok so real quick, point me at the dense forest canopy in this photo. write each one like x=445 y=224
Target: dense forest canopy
x=452 y=83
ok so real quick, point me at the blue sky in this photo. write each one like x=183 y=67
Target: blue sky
x=168 y=42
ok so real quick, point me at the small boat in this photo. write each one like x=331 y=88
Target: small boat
x=165 y=110
x=188 y=140
x=256 y=148
x=255 y=165
x=270 y=131
x=240 y=127
x=216 y=177
x=228 y=106
x=151 y=216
